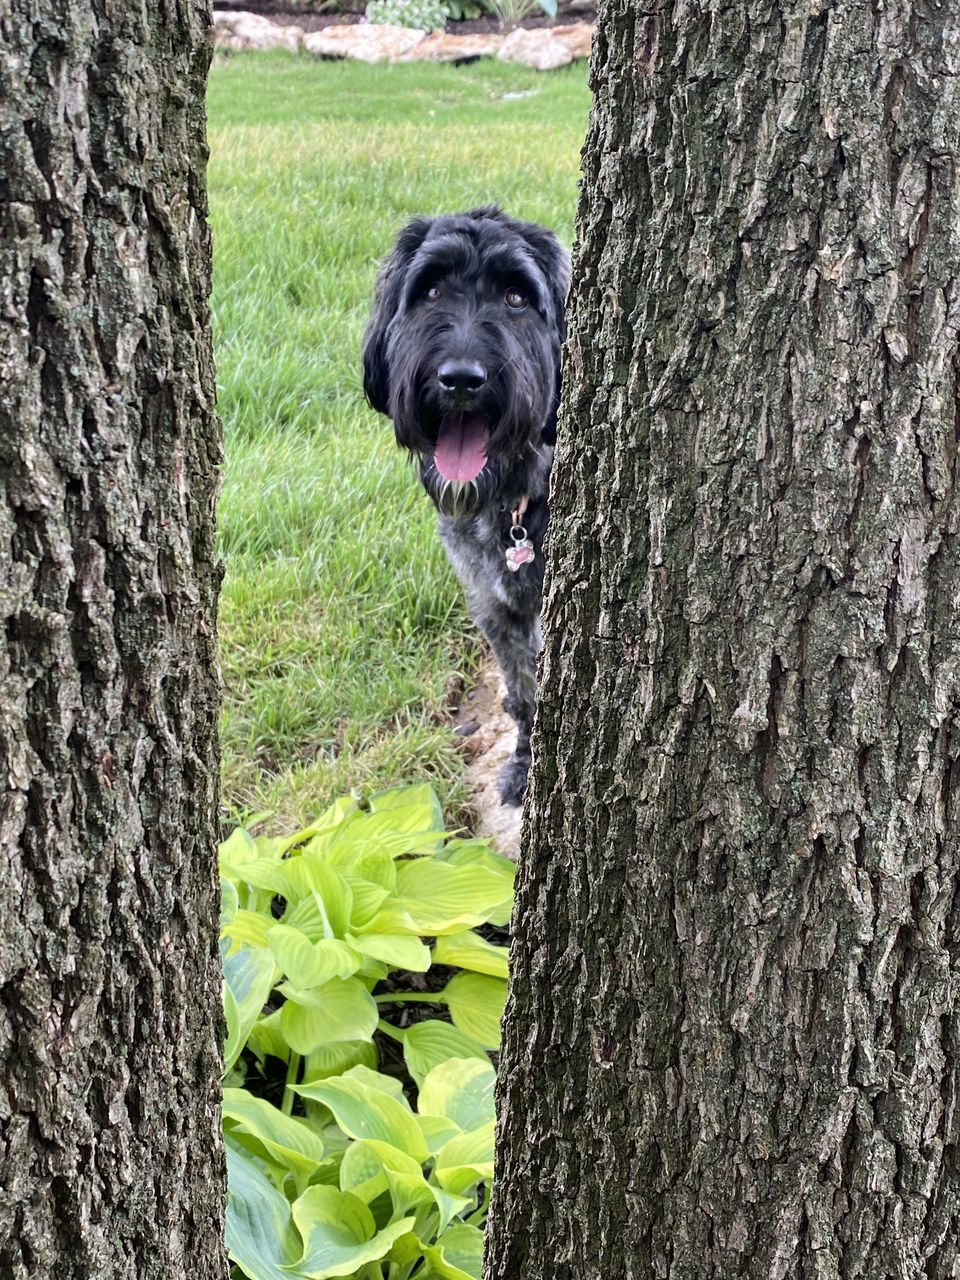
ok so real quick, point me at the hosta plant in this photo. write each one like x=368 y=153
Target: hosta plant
x=424 y=15
x=335 y=941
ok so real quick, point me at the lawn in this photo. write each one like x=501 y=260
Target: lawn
x=342 y=628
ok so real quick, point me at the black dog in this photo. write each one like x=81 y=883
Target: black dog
x=462 y=352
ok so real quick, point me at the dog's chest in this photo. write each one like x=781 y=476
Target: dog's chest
x=477 y=549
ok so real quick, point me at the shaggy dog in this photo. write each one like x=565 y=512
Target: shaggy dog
x=462 y=353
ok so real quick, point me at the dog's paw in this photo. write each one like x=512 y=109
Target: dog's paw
x=512 y=782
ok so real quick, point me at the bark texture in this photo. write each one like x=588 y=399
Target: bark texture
x=732 y=1043
x=110 y=1032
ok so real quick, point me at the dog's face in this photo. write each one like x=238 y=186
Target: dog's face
x=462 y=350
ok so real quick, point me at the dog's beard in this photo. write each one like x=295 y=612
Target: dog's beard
x=477 y=467
x=503 y=478
x=458 y=497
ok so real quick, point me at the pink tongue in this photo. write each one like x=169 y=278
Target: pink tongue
x=461 y=450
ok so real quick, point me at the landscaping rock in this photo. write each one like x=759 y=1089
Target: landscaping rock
x=540 y=47
x=441 y=47
x=537 y=47
x=369 y=42
x=235 y=31
x=577 y=38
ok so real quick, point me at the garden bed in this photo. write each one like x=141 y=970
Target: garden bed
x=543 y=49
x=286 y=14
x=541 y=43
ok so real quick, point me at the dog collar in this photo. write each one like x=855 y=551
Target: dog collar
x=521 y=552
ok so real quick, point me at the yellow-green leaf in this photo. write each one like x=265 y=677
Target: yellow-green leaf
x=427 y=1044
x=339 y=1010
x=368 y=897
x=247 y=929
x=467 y=950
x=239 y=848
x=420 y=807
x=266 y=1037
x=248 y=978
x=363 y=1172
x=337 y=1059
x=339 y=1233
x=440 y=898
x=461 y=1090
x=285 y=1140
x=260 y=1233
x=458 y=1253
x=389 y=1085
x=437 y=1131
x=365 y=1112
x=311 y=964
x=476 y=1006
x=397 y=952
x=330 y=891
x=466 y=1160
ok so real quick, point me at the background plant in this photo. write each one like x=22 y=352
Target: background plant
x=459 y=10
x=510 y=11
x=359 y=1132
x=424 y=15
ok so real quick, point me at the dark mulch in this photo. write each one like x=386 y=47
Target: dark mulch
x=284 y=13
x=482 y=26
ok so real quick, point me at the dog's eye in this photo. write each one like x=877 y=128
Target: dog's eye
x=515 y=299
x=433 y=293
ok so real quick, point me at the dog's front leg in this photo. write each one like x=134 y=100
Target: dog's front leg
x=515 y=640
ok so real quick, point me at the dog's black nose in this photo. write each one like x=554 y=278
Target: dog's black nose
x=461 y=375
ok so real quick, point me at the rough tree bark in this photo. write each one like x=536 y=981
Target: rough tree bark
x=110 y=1033
x=732 y=1044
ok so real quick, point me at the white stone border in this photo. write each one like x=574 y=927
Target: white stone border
x=540 y=47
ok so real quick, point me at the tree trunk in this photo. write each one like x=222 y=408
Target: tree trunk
x=732 y=1044
x=110 y=1025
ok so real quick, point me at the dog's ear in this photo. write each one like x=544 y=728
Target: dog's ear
x=386 y=300
x=554 y=261
x=549 y=432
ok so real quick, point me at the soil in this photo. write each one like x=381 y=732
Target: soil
x=286 y=14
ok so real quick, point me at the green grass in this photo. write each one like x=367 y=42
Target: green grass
x=342 y=627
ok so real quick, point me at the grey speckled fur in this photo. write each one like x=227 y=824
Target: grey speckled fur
x=440 y=296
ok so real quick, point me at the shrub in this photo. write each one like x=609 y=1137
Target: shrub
x=359 y=1166
x=425 y=15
